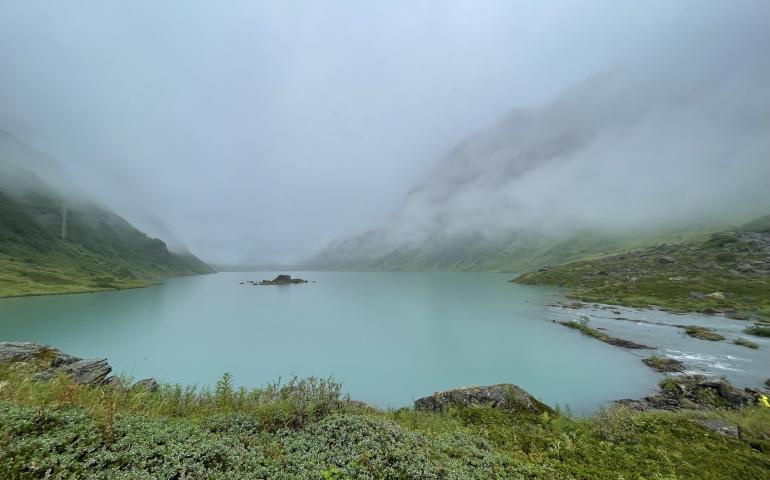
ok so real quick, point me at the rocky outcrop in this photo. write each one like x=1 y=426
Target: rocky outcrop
x=721 y=427
x=84 y=372
x=693 y=392
x=25 y=351
x=279 y=280
x=54 y=362
x=664 y=365
x=503 y=396
x=149 y=384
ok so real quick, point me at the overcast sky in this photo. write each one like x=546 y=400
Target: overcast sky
x=258 y=131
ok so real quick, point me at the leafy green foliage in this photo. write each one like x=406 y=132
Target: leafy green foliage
x=304 y=429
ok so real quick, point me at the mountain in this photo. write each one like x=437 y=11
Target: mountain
x=619 y=161
x=57 y=242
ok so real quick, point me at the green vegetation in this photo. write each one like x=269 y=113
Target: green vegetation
x=758 y=330
x=303 y=429
x=703 y=333
x=661 y=364
x=100 y=251
x=515 y=252
x=746 y=343
x=727 y=273
x=585 y=329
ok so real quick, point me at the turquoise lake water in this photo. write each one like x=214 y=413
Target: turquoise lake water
x=388 y=337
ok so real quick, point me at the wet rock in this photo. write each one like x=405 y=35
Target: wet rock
x=503 y=396
x=720 y=427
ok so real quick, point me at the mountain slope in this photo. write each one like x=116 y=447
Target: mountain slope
x=50 y=243
x=729 y=273
x=619 y=161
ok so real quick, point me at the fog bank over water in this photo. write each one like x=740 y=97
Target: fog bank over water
x=257 y=132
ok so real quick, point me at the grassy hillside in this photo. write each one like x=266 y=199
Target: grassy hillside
x=728 y=272
x=99 y=251
x=515 y=252
x=304 y=430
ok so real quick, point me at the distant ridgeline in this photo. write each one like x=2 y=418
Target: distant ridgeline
x=49 y=244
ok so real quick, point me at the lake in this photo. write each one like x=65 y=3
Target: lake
x=388 y=337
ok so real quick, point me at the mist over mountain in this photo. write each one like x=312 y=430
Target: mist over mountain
x=55 y=239
x=635 y=151
x=257 y=132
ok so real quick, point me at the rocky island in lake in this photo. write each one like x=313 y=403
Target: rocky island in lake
x=279 y=280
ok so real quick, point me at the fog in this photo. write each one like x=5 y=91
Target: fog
x=257 y=132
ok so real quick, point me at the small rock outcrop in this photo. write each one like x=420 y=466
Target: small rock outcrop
x=693 y=392
x=25 y=351
x=503 y=396
x=721 y=427
x=91 y=372
x=84 y=372
x=664 y=365
x=279 y=280
x=149 y=384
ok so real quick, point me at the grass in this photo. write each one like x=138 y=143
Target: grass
x=663 y=364
x=305 y=429
x=746 y=343
x=101 y=250
x=585 y=329
x=693 y=276
x=703 y=333
x=758 y=330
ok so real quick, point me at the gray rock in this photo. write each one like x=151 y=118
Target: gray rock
x=735 y=398
x=503 y=396
x=63 y=359
x=718 y=426
x=23 y=351
x=149 y=384
x=693 y=392
x=84 y=372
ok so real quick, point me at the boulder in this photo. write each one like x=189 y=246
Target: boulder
x=149 y=384
x=718 y=426
x=84 y=372
x=503 y=396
